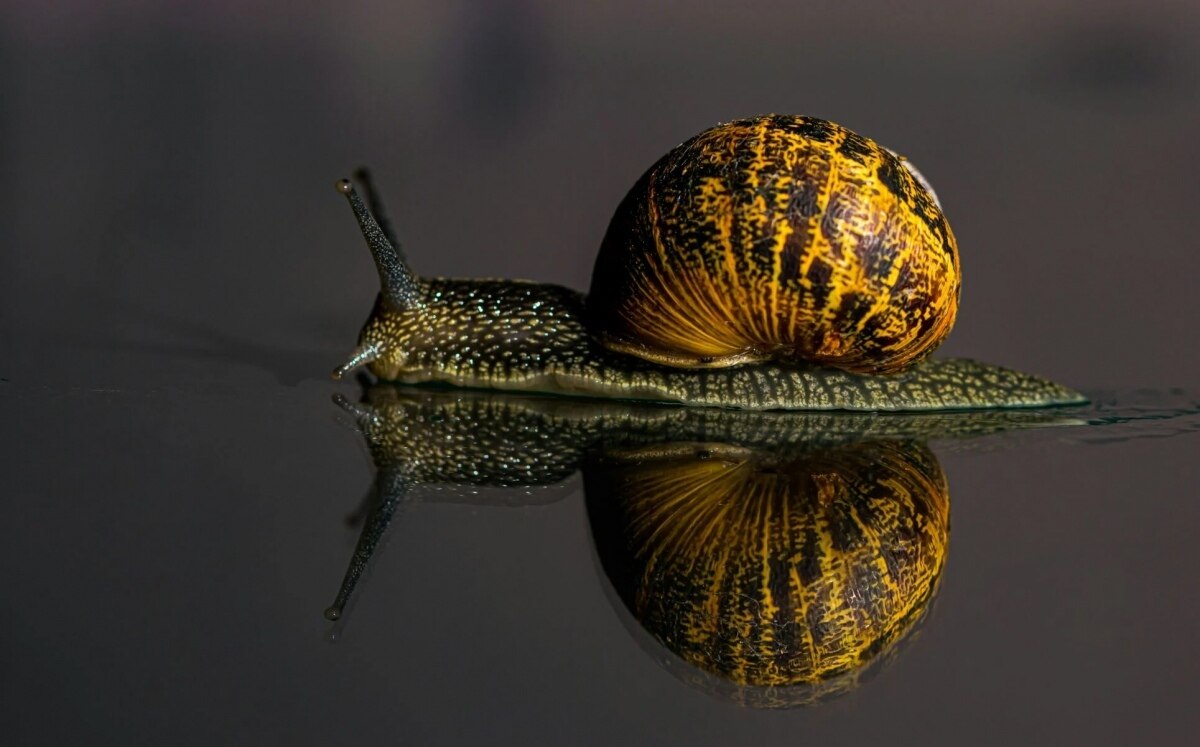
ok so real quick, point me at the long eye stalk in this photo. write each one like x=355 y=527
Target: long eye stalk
x=398 y=286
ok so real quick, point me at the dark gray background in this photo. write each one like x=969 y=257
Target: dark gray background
x=177 y=276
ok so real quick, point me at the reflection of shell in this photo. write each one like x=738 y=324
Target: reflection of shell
x=769 y=571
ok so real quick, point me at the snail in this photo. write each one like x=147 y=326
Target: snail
x=778 y=262
x=769 y=551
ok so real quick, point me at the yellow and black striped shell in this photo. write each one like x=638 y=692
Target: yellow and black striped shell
x=778 y=237
x=768 y=570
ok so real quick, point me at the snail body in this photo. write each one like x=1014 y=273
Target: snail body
x=772 y=263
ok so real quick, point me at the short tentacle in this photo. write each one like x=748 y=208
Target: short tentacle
x=362 y=355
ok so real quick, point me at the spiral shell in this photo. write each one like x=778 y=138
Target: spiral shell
x=778 y=237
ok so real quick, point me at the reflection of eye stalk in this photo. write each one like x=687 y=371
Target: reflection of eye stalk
x=778 y=552
x=773 y=569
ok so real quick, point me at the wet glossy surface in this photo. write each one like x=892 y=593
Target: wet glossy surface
x=178 y=276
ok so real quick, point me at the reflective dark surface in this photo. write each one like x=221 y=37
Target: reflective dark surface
x=177 y=277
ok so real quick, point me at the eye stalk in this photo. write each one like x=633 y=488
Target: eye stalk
x=398 y=285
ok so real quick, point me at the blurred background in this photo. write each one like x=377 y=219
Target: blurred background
x=169 y=166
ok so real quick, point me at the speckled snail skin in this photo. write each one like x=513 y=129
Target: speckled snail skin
x=778 y=262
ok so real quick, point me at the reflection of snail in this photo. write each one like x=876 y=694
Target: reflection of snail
x=772 y=263
x=767 y=548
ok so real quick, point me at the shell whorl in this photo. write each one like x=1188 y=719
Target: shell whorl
x=778 y=237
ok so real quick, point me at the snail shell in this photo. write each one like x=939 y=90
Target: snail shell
x=778 y=237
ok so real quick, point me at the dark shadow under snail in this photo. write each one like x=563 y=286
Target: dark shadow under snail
x=778 y=262
x=780 y=553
